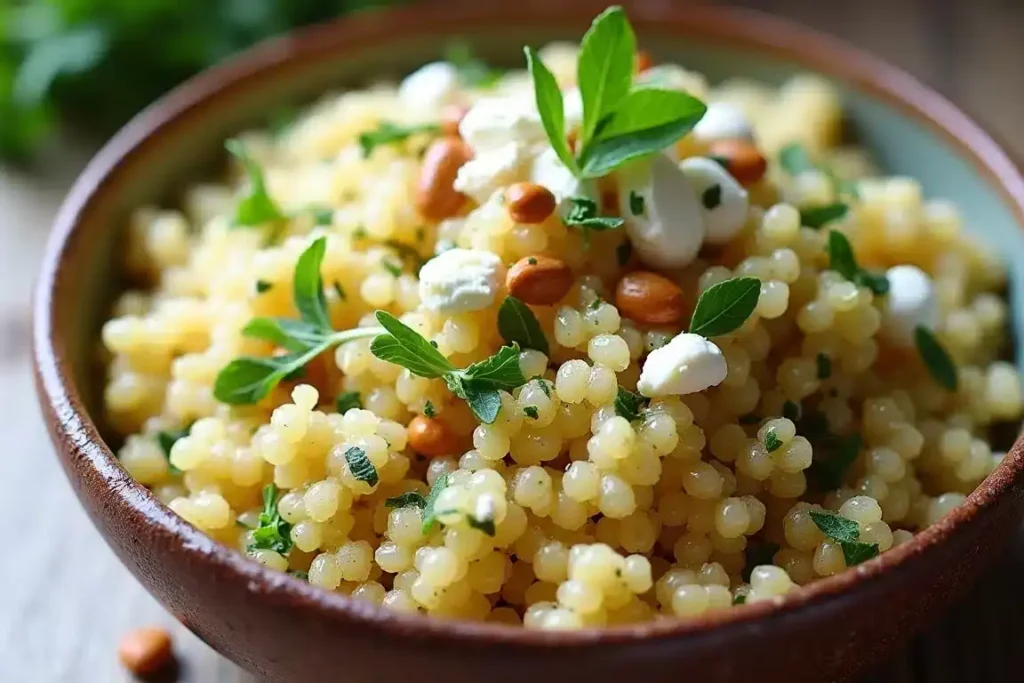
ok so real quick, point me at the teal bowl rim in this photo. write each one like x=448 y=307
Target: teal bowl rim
x=77 y=437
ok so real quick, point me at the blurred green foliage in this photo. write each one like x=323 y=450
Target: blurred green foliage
x=94 y=63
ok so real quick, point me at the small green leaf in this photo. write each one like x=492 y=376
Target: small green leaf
x=257 y=207
x=772 y=442
x=629 y=405
x=406 y=347
x=794 y=159
x=309 y=287
x=500 y=371
x=637 y=205
x=824 y=364
x=623 y=252
x=429 y=410
x=263 y=286
x=549 y=105
x=582 y=213
x=531 y=412
x=607 y=154
x=388 y=133
x=855 y=552
x=712 y=197
x=836 y=527
x=605 y=67
x=740 y=599
x=248 y=380
x=938 y=361
x=360 y=465
x=518 y=324
x=293 y=335
x=842 y=260
x=347 y=400
x=272 y=533
x=429 y=514
x=724 y=307
x=817 y=216
x=485 y=403
x=405 y=500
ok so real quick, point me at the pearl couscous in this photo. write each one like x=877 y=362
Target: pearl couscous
x=536 y=348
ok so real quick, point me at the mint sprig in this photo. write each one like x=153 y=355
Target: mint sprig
x=273 y=533
x=477 y=384
x=620 y=122
x=724 y=307
x=249 y=379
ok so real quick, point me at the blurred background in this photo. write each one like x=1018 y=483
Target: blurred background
x=73 y=71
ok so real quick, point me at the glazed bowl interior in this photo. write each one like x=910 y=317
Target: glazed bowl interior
x=179 y=141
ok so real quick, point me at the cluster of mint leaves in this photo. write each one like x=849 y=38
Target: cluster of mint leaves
x=620 y=122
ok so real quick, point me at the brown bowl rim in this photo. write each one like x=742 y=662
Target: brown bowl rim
x=71 y=425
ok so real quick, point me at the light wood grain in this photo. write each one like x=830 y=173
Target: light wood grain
x=66 y=599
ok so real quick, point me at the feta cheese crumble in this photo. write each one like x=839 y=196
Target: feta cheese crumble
x=461 y=280
x=686 y=365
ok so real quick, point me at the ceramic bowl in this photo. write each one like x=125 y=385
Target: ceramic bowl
x=288 y=631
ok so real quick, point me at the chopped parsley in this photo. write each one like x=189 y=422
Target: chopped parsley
x=263 y=286
x=846 y=533
x=629 y=405
x=637 y=205
x=360 y=465
x=531 y=412
x=273 y=533
x=712 y=197
x=772 y=442
x=429 y=410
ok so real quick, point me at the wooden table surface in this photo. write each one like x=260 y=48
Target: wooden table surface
x=66 y=599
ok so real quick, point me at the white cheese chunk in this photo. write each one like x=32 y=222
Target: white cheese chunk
x=548 y=171
x=461 y=280
x=724 y=202
x=723 y=121
x=496 y=121
x=492 y=169
x=668 y=230
x=686 y=365
x=430 y=87
x=911 y=302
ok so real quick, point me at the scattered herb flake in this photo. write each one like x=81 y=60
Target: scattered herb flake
x=429 y=514
x=532 y=261
x=637 y=205
x=360 y=465
x=272 y=533
x=347 y=400
x=473 y=72
x=712 y=197
x=583 y=214
x=740 y=599
x=531 y=412
x=263 y=286
x=794 y=159
x=485 y=525
x=322 y=215
x=410 y=499
x=429 y=410
x=629 y=405
x=393 y=268
x=772 y=442
x=824 y=364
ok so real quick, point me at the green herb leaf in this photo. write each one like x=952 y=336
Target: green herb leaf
x=518 y=324
x=637 y=205
x=309 y=287
x=712 y=197
x=500 y=371
x=167 y=439
x=623 y=252
x=360 y=465
x=757 y=554
x=938 y=361
x=322 y=215
x=393 y=268
x=549 y=105
x=629 y=405
x=263 y=286
x=724 y=307
x=647 y=121
x=531 y=412
x=740 y=599
x=772 y=442
x=405 y=500
x=824 y=364
x=406 y=347
x=429 y=514
x=843 y=261
x=388 y=133
x=794 y=159
x=473 y=72
x=817 y=216
x=429 y=410
x=855 y=552
x=273 y=533
x=836 y=527
x=294 y=335
x=605 y=67
x=248 y=380
x=485 y=403
x=257 y=207
x=347 y=400
x=582 y=213
x=485 y=525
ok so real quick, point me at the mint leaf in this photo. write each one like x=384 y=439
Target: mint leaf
x=405 y=500
x=429 y=514
x=855 y=552
x=817 y=216
x=711 y=198
x=836 y=527
x=842 y=260
x=388 y=133
x=772 y=442
x=292 y=335
x=485 y=403
x=518 y=324
x=347 y=400
x=724 y=307
x=273 y=533
x=636 y=204
x=500 y=371
x=248 y=379
x=485 y=525
x=629 y=405
x=263 y=286
x=605 y=67
x=582 y=213
x=360 y=465
x=549 y=105
x=257 y=207
x=309 y=287
x=406 y=347
x=938 y=361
